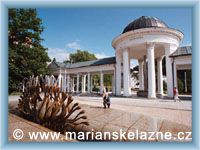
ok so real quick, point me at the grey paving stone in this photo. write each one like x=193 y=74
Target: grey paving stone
x=174 y=128
x=95 y=126
x=109 y=116
x=147 y=124
x=126 y=120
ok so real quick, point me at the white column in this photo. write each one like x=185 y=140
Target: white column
x=60 y=81
x=88 y=83
x=141 y=75
x=113 y=83
x=64 y=83
x=73 y=84
x=175 y=76
x=77 y=84
x=68 y=81
x=101 y=82
x=118 y=73
x=91 y=83
x=151 y=71
x=83 y=83
x=185 y=81
x=160 y=76
x=169 y=49
x=126 y=72
x=145 y=74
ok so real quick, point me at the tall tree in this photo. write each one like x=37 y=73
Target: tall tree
x=26 y=54
x=80 y=56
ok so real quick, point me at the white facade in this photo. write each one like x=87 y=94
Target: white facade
x=153 y=44
x=181 y=63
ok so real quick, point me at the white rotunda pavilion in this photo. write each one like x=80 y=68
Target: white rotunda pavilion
x=146 y=39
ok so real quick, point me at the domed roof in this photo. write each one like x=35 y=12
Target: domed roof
x=144 y=22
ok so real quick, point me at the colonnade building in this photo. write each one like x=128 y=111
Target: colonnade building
x=146 y=39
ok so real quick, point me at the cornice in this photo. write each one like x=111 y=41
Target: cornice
x=140 y=33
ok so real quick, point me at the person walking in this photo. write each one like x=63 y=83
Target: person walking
x=176 y=95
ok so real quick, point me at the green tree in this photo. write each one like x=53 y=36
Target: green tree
x=80 y=56
x=180 y=86
x=108 y=81
x=26 y=54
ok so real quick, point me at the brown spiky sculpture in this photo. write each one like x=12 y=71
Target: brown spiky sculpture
x=49 y=106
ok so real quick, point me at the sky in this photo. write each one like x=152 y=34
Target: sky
x=93 y=29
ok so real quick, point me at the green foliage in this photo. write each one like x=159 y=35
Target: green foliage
x=96 y=89
x=189 y=81
x=26 y=54
x=181 y=81
x=96 y=80
x=107 y=80
x=80 y=56
x=180 y=86
x=96 y=83
x=165 y=86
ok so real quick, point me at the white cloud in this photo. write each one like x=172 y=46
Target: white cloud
x=101 y=55
x=74 y=45
x=58 y=53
